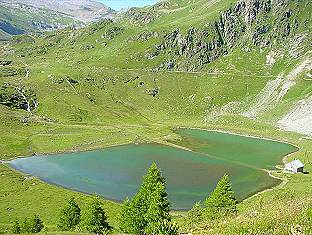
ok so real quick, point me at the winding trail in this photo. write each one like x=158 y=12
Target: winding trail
x=189 y=72
x=26 y=68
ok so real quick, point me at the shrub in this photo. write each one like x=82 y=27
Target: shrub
x=32 y=225
x=25 y=228
x=195 y=215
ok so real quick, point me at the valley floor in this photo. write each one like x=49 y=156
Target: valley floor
x=278 y=210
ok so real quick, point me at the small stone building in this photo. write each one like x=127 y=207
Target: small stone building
x=295 y=166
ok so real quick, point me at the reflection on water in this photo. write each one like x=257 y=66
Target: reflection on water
x=116 y=172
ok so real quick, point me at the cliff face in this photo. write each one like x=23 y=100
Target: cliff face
x=248 y=23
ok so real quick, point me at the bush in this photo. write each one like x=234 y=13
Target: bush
x=25 y=228
x=195 y=215
x=35 y=224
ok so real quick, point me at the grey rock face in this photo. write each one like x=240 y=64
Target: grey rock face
x=248 y=22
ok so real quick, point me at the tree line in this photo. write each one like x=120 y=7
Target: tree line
x=147 y=213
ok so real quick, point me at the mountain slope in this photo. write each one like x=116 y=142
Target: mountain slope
x=24 y=16
x=21 y=19
x=81 y=10
x=244 y=61
x=241 y=66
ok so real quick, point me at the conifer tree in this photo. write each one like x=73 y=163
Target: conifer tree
x=195 y=215
x=25 y=226
x=96 y=219
x=70 y=216
x=16 y=228
x=148 y=211
x=35 y=224
x=221 y=200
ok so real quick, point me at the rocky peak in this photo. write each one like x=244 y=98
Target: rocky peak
x=247 y=23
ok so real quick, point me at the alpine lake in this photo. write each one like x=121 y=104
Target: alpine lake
x=191 y=172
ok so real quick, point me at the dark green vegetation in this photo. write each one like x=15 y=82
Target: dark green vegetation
x=70 y=216
x=96 y=219
x=116 y=172
x=220 y=204
x=222 y=200
x=209 y=64
x=29 y=225
x=148 y=211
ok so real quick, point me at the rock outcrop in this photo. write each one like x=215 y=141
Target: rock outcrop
x=247 y=24
x=18 y=97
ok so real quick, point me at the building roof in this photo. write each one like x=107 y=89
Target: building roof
x=294 y=165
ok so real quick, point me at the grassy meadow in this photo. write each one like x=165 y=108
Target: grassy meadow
x=96 y=88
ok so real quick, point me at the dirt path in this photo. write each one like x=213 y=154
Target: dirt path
x=190 y=72
x=26 y=68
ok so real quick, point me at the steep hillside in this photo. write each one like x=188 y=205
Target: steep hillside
x=18 y=19
x=24 y=16
x=237 y=66
x=82 y=10
x=264 y=45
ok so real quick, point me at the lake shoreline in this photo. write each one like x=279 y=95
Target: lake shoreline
x=166 y=143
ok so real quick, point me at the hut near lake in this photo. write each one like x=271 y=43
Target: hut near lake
x=295 y=166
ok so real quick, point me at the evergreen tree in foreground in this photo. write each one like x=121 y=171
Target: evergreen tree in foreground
x=16 y=228
x=195 y=215
x=25 y=228
x=35 y=224
x=96 y=219
x=70 y=216
x=32 y=225
x=148 y=211
x=221 y=200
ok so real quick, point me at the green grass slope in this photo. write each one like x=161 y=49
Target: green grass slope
x=208 y=64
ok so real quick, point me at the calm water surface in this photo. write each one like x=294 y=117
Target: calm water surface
x=116 y=172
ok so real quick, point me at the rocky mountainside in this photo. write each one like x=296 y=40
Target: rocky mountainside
x=245 y=24
x=243 y=66
x=248 y=59
x=17 y=19
x=24 y=16
x=81 y=10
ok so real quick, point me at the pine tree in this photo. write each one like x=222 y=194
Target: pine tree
x=70 y=216
x=148 y=211
x=157 y=216
x=195 y=215
x=16 y=228
x=221 y=200
x=25 y=226
x=96 y=219
x=35 y=224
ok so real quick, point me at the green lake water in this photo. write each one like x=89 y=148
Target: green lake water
x=116 y=172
